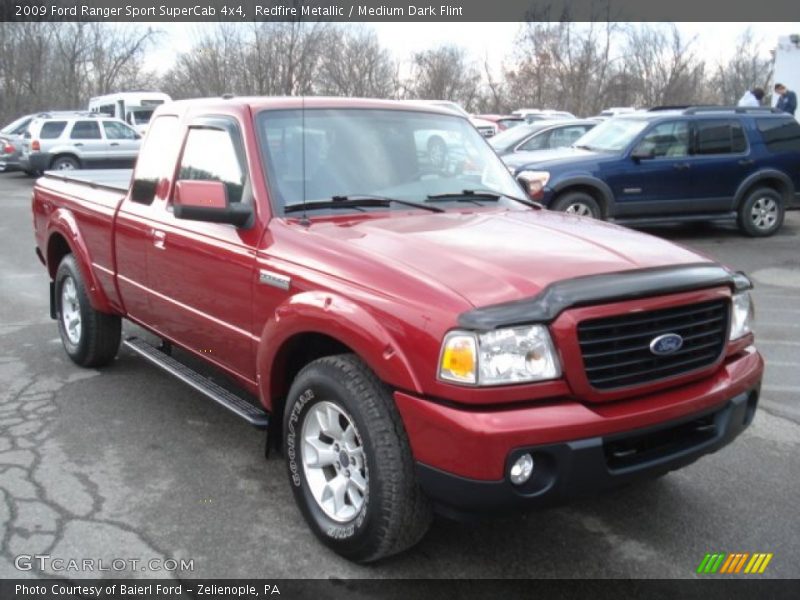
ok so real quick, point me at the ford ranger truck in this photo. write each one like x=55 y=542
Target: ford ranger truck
x=414 y=333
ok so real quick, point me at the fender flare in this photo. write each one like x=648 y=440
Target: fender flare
x=62 y=221
x=588 y=181
x=332 y=315
x=760 y=175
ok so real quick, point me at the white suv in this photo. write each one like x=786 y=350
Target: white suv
x=78 y=142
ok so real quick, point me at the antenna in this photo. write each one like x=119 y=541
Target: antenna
x=304 y=219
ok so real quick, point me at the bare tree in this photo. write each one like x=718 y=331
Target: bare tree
x=444 y=73
x=747 y=68
x=355 y=64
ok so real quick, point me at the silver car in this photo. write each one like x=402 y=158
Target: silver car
x=78 y=142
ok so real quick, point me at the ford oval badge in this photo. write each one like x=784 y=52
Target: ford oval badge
x=668 y=343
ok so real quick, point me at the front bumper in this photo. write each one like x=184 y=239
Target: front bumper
x=463 y=455
x=582 y=467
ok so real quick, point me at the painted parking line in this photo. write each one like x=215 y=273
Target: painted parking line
x=777 y=342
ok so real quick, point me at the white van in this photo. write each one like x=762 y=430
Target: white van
x=135 y=108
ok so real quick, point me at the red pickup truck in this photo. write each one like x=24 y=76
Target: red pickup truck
x=413 y=332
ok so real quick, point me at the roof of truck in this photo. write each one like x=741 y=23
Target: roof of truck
x=257 y=103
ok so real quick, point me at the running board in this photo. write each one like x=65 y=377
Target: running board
x=237 y=405
x=674 y=219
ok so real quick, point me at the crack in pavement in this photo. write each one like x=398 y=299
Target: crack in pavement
x=47 y=505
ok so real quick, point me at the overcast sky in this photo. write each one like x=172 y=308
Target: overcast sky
x=493 y=40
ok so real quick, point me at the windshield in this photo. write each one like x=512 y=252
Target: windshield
x=141 y=116
x=17 y=127
x=613 y=135
x=397 y=154
x=511 y=137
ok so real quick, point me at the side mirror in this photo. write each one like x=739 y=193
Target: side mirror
x=640 y=153
x=208 y=201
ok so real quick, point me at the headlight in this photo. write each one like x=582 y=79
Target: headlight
x=742 y=315
x=534 y=181
x=503 y=356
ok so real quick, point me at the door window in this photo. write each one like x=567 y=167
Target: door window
x=210 y=155
x=537 y=142
x=118 y=131
x=566 y=136
x=666 y=140
x=720 y=137
x=85 y=130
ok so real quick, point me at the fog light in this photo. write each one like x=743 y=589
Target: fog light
x=521 y=469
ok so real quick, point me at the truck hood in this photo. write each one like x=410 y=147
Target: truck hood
x=491 y=256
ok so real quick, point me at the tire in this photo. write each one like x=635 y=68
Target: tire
x=94 y=340
x=761 y=214
x=437 y=152
x=65 y=163
x=578 y=203
x=392 y=514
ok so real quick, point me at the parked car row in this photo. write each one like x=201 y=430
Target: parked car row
x=691 y=164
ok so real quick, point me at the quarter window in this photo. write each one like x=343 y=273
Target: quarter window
x=85 y=130
x=52 y=129
x=780 y=135
x=210 y=155
x=720 y=137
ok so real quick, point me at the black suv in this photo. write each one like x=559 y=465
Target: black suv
x=686 y=164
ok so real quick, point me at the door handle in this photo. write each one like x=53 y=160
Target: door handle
x=115 y=143
x=159 y=239
x=79 y=144
x=746 y=162
x=681 y=166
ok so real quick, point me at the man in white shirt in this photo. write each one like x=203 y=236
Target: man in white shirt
x=751 y=97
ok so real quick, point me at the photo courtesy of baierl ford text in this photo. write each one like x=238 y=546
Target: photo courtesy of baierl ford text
x=334 y=299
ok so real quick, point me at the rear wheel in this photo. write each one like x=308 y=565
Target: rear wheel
x=90 y=338
x=578 y=203
x=761 y=213
x=349 y=462
x=65 y=163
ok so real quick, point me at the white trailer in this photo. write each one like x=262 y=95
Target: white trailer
x=135 y=108
x=787 y=65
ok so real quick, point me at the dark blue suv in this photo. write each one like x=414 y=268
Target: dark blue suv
x=688 y=164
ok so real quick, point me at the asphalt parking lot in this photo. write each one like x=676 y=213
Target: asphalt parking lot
x=127 y=463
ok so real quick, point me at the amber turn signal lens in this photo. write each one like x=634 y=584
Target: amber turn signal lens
x=459 y=357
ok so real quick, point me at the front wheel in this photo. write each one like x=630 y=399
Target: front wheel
x=761 y=213
x=90 y=338
x=349 y=462
x=578 y=203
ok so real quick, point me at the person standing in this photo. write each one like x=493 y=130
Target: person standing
x=787 y=100
x=751 y=97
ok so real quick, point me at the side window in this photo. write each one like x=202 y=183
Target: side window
x=780 y=135
x=566 y=136
x=52 y=129
x=85 y=130
x=107 y=109
x=156 y=159
x=666 y=140
x=118 y=131
x=537 y=142
x=720 y=137
x=210 y=155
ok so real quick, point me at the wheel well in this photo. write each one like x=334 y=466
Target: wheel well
x=774 y=183
x=57 y=249
x=293 y=355
x=587 y=189
x=65 y=154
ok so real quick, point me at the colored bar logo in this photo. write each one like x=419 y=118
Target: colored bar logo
x=736 y=562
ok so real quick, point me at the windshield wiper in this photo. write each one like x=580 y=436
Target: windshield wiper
x=475 y=195
x=356 y=201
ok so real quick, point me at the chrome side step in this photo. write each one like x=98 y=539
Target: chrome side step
x=239 y=406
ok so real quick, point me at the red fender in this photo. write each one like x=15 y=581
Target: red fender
x=63 y=222
x=341 y=319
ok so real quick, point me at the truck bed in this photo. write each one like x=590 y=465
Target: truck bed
x=112 y=179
